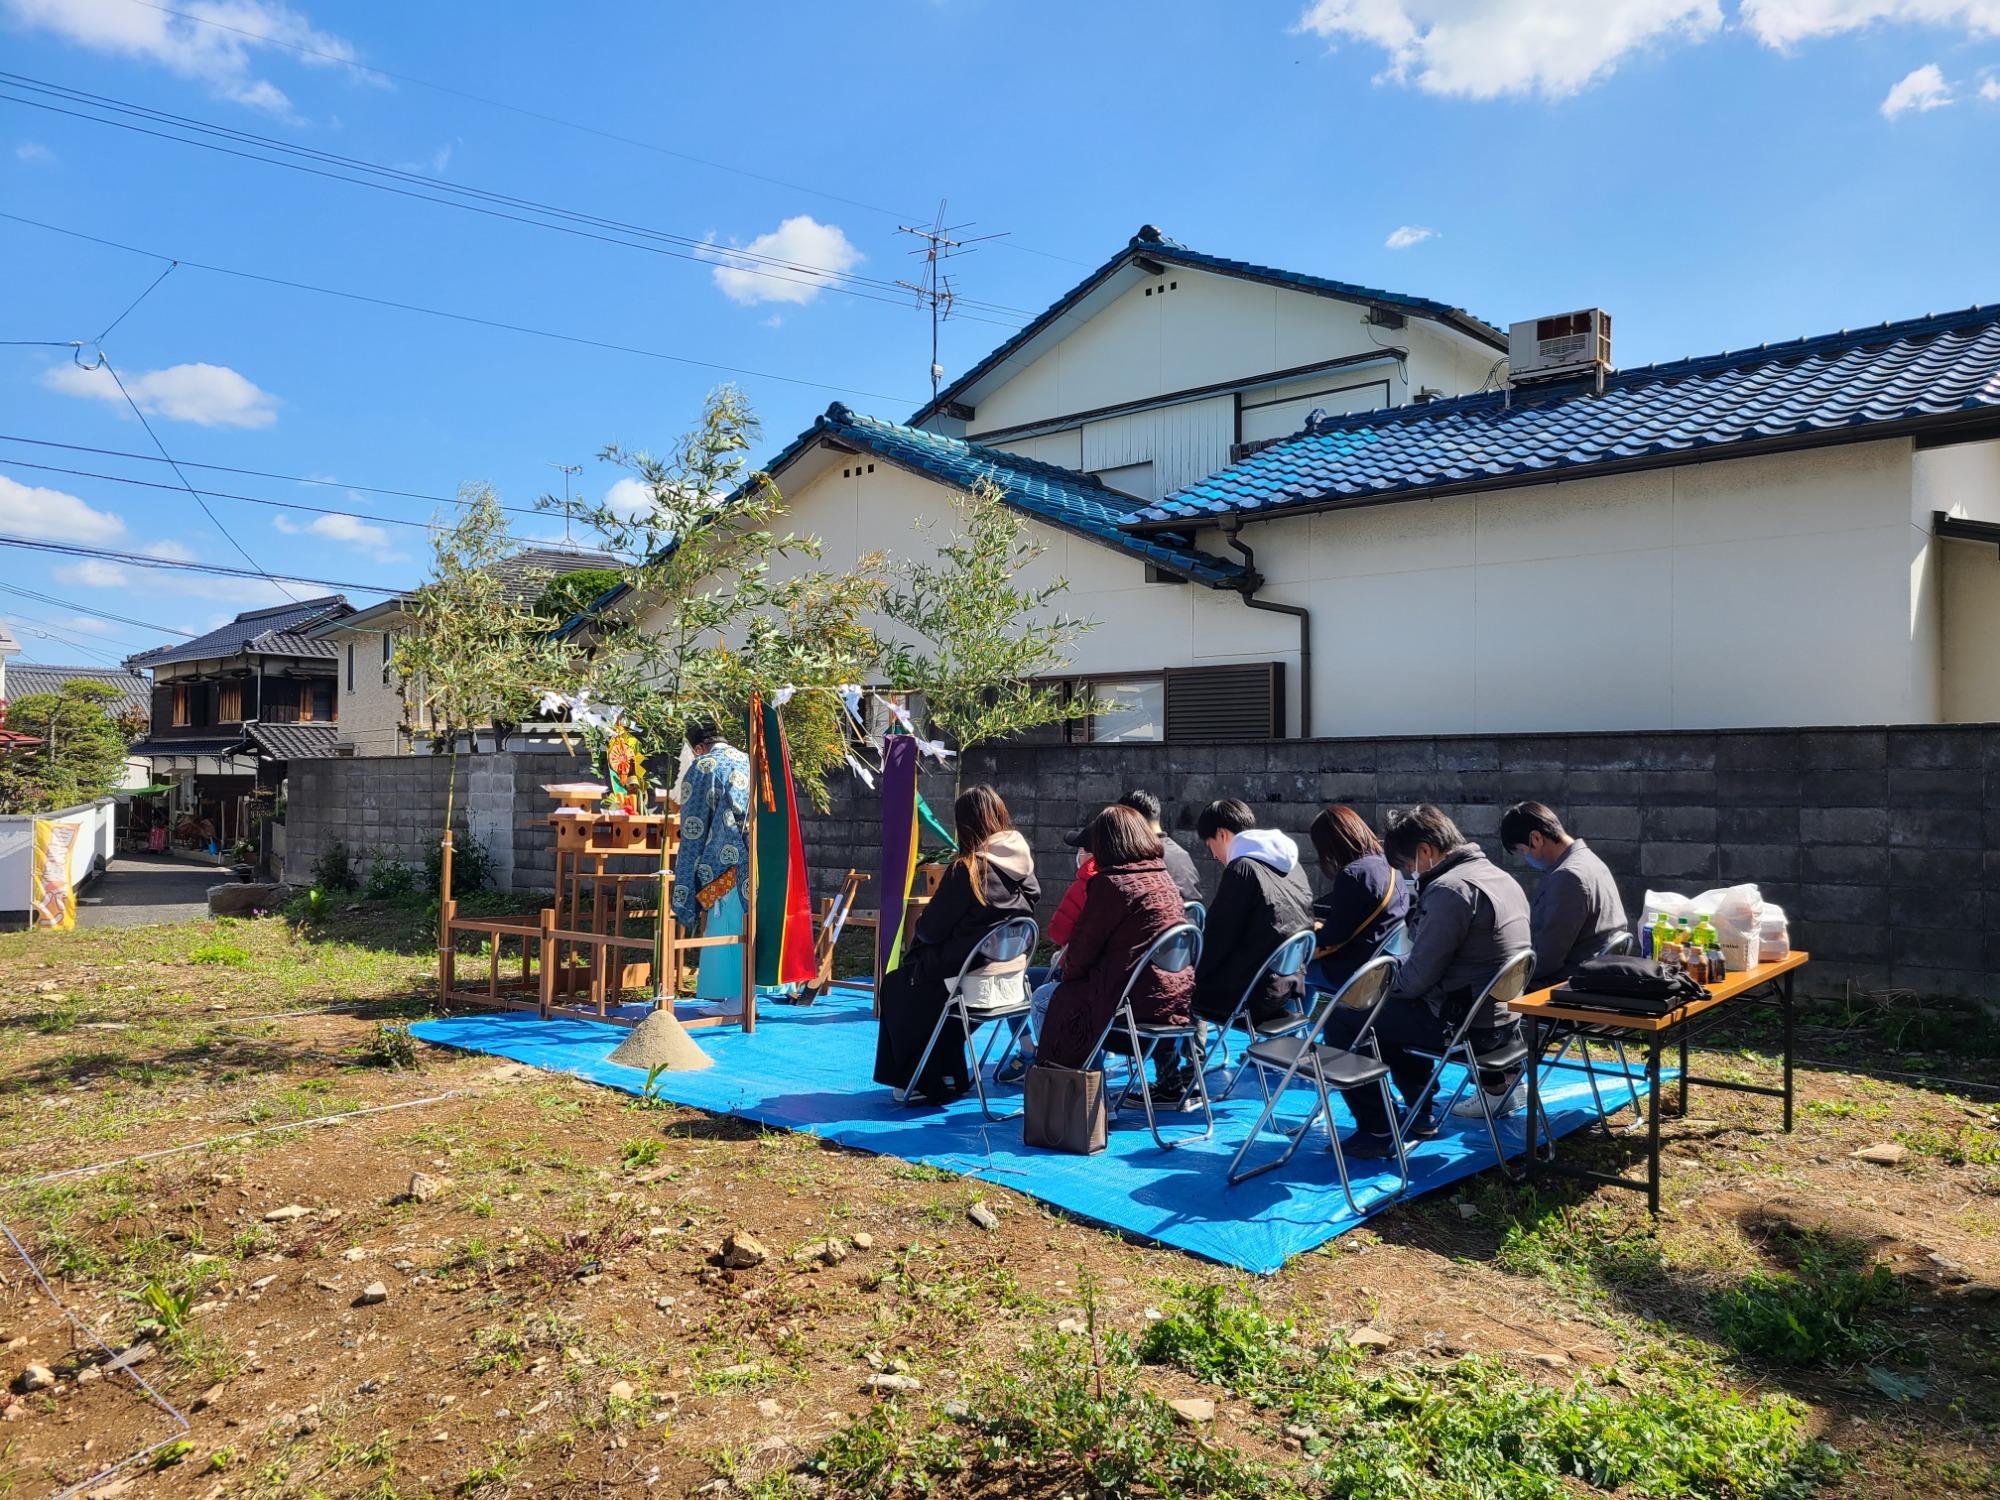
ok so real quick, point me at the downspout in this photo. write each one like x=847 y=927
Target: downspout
x=1253 y=580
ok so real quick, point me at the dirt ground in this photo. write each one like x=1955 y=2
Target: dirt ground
x=487 y=1279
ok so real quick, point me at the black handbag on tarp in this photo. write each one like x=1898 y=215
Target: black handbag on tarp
x=1642 y=986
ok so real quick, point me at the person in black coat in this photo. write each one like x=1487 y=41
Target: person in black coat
x=991 y=880
x=1367 y=901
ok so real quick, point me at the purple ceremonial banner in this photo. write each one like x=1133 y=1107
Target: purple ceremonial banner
x=899 y=841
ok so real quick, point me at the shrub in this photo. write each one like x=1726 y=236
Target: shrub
x=471 y=865
x=389 y=880
x=334 y=869
x=392 y=1046
x=1825 y=1312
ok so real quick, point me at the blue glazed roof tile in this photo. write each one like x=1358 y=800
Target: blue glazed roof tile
x=1900 y=377
x=1063 y=497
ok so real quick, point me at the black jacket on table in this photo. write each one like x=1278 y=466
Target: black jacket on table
x=1362 y=907
x=914 y=992
x=1261 y=899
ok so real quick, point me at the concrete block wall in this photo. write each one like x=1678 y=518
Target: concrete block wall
x=1882 y=844
x=392 y=807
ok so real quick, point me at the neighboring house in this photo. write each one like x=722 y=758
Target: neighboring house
x=1156 y=370
x=134 y=701
x=373 y=719
x=1797 y=534
x=231 y=709
x=9 y=647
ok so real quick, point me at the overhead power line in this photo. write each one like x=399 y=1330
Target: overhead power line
x=97 y=614
x=47 y=632
x=247 y=145
x=548 y=119
x=456 y=317
x=141 y=560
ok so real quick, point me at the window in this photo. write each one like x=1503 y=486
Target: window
x=1131 y=710
x=386 y=653
x=350 y=666
x=181 y=720
x=229 y=703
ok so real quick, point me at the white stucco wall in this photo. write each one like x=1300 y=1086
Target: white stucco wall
x=1772 y=591
x=1961 y=580
x=371 y=714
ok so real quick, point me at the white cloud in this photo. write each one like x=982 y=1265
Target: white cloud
x=52 y=516
x=814 y=254
x=218 y=54
x=93 y=573
x=1484 y=49
x=352 y=531
x=1408 y=235
x=1781 y=23
x=439 y=160
x=171 y=551
x=210 y=395
x=1923 y=89
x=33 y=151
x=1990 y=90
x=630 y=498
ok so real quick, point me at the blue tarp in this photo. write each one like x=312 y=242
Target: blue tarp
x=807 y=1068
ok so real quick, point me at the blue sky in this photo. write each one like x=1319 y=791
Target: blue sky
x=1715 y=172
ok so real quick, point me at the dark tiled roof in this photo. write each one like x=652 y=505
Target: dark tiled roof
x=290 y=741
x=207 y=745
x=134 y=691
x=267 y=630
x=1150 y=243
x=529 y=572
x=1063 y=497
x=1875 y=382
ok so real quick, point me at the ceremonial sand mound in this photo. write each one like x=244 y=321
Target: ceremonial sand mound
x=661 y=1041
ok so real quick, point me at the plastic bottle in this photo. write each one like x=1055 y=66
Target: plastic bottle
x=1663 y=935
x=1684 y=946
x=1711 y=951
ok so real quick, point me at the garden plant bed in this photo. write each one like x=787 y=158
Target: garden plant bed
x=558 y=1318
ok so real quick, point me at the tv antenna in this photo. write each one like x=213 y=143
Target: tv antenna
x=569 y=471
x=933 y=288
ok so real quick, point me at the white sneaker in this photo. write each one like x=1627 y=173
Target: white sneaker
x=1511 y=1103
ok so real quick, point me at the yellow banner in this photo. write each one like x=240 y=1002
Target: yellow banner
x=50 y=894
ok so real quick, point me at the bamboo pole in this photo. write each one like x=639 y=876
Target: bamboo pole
x=447 y=909
x=757 y=757
x=547 y=978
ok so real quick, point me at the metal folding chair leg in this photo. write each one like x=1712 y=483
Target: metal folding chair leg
x=953 y=1007
x=979 y=1065
x=1141 y=1054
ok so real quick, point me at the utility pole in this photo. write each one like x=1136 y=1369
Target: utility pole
x=568 y=472
x=932 y=287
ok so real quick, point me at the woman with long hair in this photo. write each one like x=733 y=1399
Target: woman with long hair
x=991 y=879
x=1364 y=903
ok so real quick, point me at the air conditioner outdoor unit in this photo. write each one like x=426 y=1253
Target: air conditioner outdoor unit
x=1569 y=344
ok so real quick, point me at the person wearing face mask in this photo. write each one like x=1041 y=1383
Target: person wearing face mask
x=1576 y=909
x=1469 y=917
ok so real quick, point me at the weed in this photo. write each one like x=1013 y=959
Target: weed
x=1576 y=1244
x=392 y=1046
x=637 y=1154
x=559 y=1257
x=879 y=1454
x=389 y=880
x=169 y=1454
x=221 y=951
x=650 y=1096
x=1827 y=1311
x=334 y=869
x=221 y=1459
x=1965 y=1145
x=169 y=1309
x=60 y=1017
x=1219 y=1338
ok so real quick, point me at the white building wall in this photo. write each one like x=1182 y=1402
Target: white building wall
x=1963 y=481
x=1771 y=591
x=371 y=714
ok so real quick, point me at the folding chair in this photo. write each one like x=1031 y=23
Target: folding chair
x=1289 y=958
x=1509 y=983
x=1395 y=943
x=1581 y=1033
x=1012 y=939
x=1173 y=951
x=1328 y=1068
x=1195 y=912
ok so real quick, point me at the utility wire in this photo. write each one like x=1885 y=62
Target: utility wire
x=547 y=119
x=101 y=614
x=188 y=463
x=104 y=360
x=456 y=317
x=28 y=624
x=249 y=146
x=136 y=301
x=221 y=570
x=317 y=510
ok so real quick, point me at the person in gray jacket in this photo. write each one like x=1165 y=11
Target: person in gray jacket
x=1576 y=910
x=1470 y=916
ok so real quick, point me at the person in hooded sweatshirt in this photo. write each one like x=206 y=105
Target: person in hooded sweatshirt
x=991 y=880
x=1470 y=917
x=1261 y=898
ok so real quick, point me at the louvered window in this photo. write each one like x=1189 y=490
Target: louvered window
x=1226 y=703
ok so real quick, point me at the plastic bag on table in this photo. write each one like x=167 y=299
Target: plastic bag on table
x=1669 y=904
x=1774 y=936
x=1737 y=914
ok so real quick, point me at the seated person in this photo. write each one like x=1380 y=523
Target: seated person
x=1261 y=899
x=1470 y=915
x=1576 y=909
x=991 y=879
x=1366 y=902
x=1180 y=863
x=1128 y=904
x=1040 y=977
